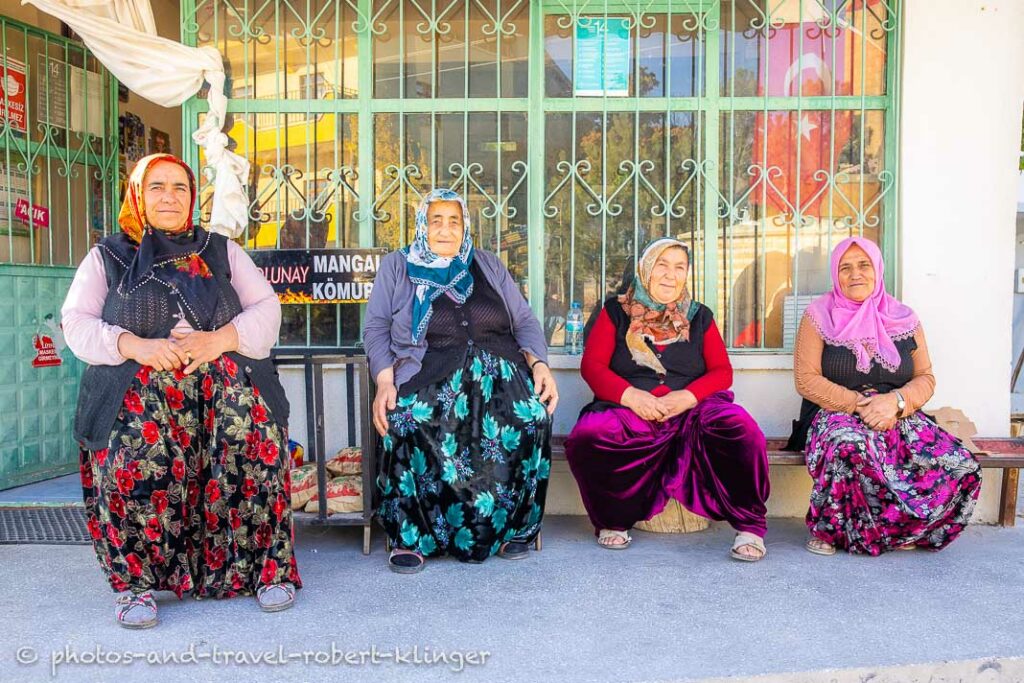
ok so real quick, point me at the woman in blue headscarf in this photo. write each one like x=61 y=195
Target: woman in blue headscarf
x=464 y=397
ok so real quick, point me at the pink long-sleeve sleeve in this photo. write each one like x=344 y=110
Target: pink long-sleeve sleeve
x=95 y=342
x=259 y=323
x=89 y=338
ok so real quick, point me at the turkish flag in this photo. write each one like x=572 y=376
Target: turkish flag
x=808 y=69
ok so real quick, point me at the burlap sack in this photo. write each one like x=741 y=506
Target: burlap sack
x=344 y=494
x=348 y=461
x=303 y=485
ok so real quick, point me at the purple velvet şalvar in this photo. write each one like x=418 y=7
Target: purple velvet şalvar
x=712 y=459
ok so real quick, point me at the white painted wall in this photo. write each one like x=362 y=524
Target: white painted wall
x=963 y=88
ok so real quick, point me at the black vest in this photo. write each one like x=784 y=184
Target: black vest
x=683 y=360
x=482 y=321
x=151 y=310
x=839 y=365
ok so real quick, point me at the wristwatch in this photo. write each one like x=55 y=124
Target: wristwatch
x=900 y=403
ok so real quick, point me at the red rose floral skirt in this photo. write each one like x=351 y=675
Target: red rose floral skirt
x=192 y=492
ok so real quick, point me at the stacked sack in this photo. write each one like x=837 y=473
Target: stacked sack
x=344 y=488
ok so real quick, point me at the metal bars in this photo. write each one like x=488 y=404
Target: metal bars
x=759 y=131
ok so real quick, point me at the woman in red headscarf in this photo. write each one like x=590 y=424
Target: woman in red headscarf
x=181 y=417
x=885 y=476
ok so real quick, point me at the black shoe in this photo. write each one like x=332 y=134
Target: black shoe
x=514 y=550
x=406 y=562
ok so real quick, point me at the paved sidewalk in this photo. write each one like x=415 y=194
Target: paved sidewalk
x=669 y=608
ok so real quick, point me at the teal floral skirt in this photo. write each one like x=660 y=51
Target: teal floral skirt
x=466 y=461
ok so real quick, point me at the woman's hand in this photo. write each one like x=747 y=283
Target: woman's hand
x=676 y=403
x=385 y=400
x=203 y=347
x=159 y=354
x=642 y=403
x=879 y=411
x=544 y=386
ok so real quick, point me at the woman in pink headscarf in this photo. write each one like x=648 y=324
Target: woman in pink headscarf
x=886 y=477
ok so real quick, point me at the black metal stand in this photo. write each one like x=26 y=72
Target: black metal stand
x=313 y=364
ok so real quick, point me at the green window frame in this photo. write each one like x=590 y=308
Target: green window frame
x=396 y=133
x=63 y=155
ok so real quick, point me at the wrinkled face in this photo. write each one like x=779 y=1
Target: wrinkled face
x=856 y=274
x=668 y=276
x=444 y=228
x=167 y=196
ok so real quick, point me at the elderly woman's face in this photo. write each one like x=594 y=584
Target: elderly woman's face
x=668 y=276
x=856 y=274
x=166 y=195
x=444 y=228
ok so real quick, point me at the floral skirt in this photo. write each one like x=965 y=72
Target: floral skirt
x=192 y=493
x=877 y=491
x=466 y=462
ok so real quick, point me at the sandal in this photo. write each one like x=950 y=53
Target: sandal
x=820 y=547
x=276 y=597
x=135 y=610
x=402 y=561
x=749 y=540
x=605 y=535
x=514 y=550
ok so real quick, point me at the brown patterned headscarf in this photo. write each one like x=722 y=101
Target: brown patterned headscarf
x=661 y=324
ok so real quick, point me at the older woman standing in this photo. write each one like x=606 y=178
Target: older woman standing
x=663 y=424
x=464 y=397
x=885 y=476
x=181 y=417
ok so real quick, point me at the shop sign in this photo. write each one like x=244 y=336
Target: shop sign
x=320 y=276
x=40 y=214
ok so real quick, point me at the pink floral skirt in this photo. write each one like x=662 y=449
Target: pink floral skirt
x=877 y=491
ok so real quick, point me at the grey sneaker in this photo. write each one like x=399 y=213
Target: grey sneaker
x=276 y=597
x=135 y=611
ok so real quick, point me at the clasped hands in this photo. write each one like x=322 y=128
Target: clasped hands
x=188 y=349
x=878 y=411
x=655 y=408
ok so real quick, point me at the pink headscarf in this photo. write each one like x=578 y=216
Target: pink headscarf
x=867 y=328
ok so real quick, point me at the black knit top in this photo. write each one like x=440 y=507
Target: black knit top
x=454 y=328
x=839 y=365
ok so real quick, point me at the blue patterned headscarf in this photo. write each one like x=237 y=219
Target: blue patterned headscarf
x=432 y=274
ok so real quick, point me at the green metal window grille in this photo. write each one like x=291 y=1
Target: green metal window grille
x=761 y=132
x=58 y=148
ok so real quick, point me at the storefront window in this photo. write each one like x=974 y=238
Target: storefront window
x=761 y=133
x=58 y=148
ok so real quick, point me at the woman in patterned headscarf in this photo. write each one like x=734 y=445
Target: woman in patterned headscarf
x=464 y=397
x=181 y=417
x=663 y=423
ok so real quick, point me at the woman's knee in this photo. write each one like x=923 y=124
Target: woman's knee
x=735 y=423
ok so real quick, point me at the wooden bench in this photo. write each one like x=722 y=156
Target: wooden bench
x=1001 y=453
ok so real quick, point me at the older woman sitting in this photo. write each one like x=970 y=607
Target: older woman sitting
x=181 y=417
x=885 y=476
x=453 y=345
x=663 y=424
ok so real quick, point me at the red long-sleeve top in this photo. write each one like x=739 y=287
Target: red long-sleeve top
x=609 y=386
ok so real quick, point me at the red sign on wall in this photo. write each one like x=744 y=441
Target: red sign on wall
x=12 y=93
x=40 y=214
x=46 y=352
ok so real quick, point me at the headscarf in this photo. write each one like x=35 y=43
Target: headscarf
x=172 y=256
x=649 y=320
x=869 y=327
x=434 y=275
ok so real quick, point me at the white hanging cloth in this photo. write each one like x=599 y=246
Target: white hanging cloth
x=122 y=35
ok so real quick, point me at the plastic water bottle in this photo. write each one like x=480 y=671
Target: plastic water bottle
x=574 y=329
